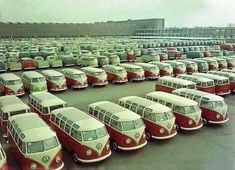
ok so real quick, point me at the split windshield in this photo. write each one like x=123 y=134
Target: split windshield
x=130 y=125
x=14 y=82
x=58 y=78
x=37 y=80
x=41 y=146
x=77 y=76
x=94 y=134
x=164 y=116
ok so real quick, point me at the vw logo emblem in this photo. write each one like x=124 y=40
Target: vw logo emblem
x=137 y=135
x=169 y=125
x=45 y=159
x=98 y=146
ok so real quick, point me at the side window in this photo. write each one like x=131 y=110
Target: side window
x=57 y=120
x=169 y=84
x=52 y=117
x=196 y=98
x=128 y=104
x=189 y=96
x=96 y=112
x=76 y=134
x=68 y=126
x=116 y=125
x=62 y=122
x=107 y=117
x=174 y=85
x=164 y=83
x=44 y=110
x=162 y=102
x=90 y=110
x=149 y=116
x=133 y=107
x=140 y=110
x=121 y=103
x=101 y=115
x=22 y=146
x=168 y=105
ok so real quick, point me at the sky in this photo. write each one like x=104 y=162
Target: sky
x=178 y=13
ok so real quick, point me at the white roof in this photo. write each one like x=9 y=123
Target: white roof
x=222 y=73
x=83 y=120
x=92 y=69
x=202 y=79
x=113 y=67
x=52 y=73
x=122 y=113
x=156 y=107
x=130 y=66
x=159 y=63
x=72 y=71
x=211 y=97
x=33 y=127
x=9 y=76
x=32 y=74
x=174 y=99
x=47 y=99
x=187 y=61
x=210 y=76
x=176 y=80
x=12 y=103
x=145 y=64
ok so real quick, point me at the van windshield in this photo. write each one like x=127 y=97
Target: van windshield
x=78 y=76
x=37 y=80
x=58 y=78
x=153 y=69
x=94 y=134
x=164 y=116
x=99 y=73
x=213 y=104
x=210 y=83
x=13 y=82
x=213 y=63
x=191 y=109
x=121 y=71
x=41 y=146
x=226 y=81
x=130 y=125
x=191 y=86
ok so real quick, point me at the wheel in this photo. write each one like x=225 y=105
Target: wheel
x=114 y=145
x=75 y=157
x=148 y=136
x=92 y=85
x=131 y=79
x=113 y=82
x=204 y=121
x=177 y=127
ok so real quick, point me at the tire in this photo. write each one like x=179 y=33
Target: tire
x=113 y=82
x=114 y=145
x=75 y=158
x=177 y=127
x=148 y=136
x=204 y=121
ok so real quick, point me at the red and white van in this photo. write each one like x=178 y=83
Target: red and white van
x=158 y=119
x=168 y=84
x=82 y=135
x=115 y=74
x=165 y=68
x=186 y=111
x=178 y=67
x=10 y=106
x=33 y=143
x=151 y=71
x=55 y=80
x=11 y=84
x=75 y=79
x=43 y=103
x=134 y=72
x=95 y=76
x=214 y=109
x=126 y=128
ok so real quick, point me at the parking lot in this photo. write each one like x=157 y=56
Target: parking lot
x=211 y=147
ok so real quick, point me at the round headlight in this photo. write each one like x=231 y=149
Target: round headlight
x=162 y=130
x=190 y=122
x=218 y=116
x=128 y=141
x=58 y=159
x=33 y=166
x=89 y=152
x=107 y=146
